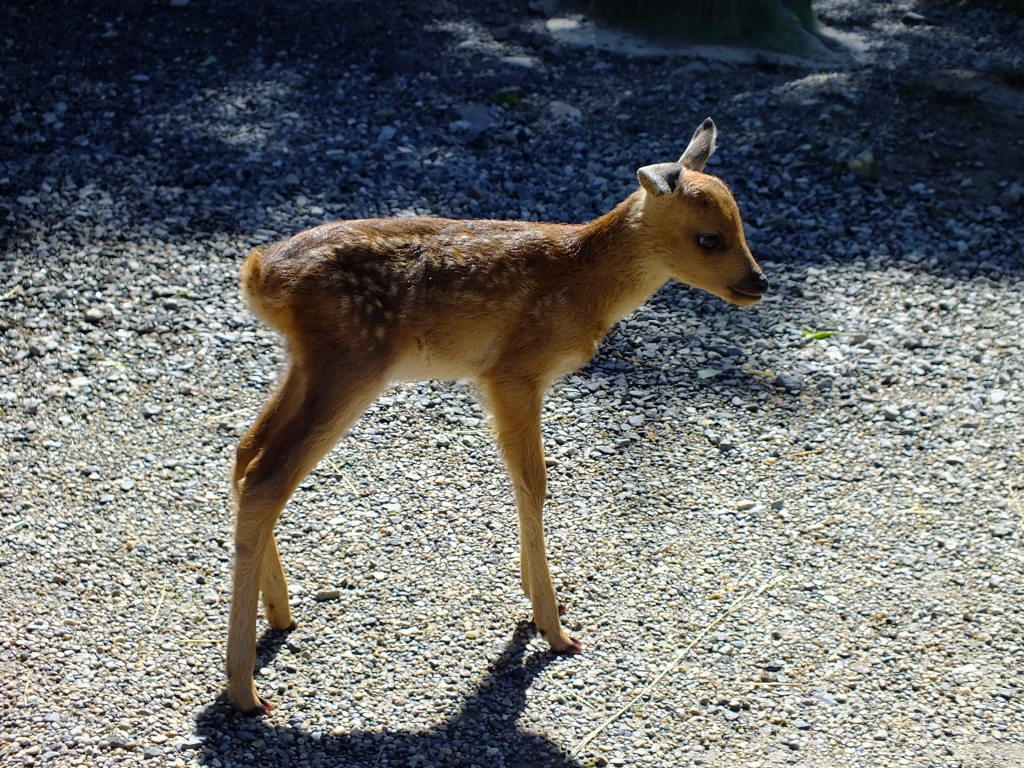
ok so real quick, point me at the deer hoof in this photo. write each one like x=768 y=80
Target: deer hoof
x=572 y=649
x=264 y=708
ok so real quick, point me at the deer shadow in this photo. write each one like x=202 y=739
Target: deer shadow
x=483 y=733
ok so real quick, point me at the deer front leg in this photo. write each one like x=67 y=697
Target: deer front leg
x=516 y=406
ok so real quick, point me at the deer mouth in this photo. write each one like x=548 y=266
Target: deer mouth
x=743 y=298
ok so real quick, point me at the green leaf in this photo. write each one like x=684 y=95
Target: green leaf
x=208 y=61
x=707 y=373
x=511 y=98
x=817 y=335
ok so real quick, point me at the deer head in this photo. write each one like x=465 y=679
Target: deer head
x=694 y=225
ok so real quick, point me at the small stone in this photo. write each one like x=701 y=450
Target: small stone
x=912 y=19
x=636 y=421
x=152 y=410
x=327 y=595
x=891 y=413
x=778 y=505
x=125 y=483
x=387 y=133
x=880 y=735
x=1001 y=530
x=31 y=407
x=746 y=504
x=865 y=165
x=997 y=396
x=1011 y=195
x=789 y=381
x=150 y=752
x=801 y=725
x=562 y=111
x=94 y=315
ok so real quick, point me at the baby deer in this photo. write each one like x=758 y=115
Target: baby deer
x=510 y=305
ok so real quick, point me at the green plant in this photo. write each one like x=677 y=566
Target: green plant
x=508 y=98
x=816 y=335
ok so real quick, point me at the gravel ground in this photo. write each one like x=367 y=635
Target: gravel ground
x=854 y=442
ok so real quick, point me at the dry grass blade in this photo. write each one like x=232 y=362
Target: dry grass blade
x=675 y=662
x=159 y=605
x=1020 y=507
x=14 y=526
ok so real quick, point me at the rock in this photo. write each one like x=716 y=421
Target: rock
x=387 y=133
x=152 y=410
x=793 y=382
x=746 y=504
x=636 y=420
x=327 y=595
x=865 y=165
x=94 y=315
x=997 y=396
x=125 y=483
x=880 y=735
x=891 y=413
x=473 y=120
x=912 y=19
x=1011 y=195
x=559 y=110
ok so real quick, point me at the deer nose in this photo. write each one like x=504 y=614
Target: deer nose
x=761 y=283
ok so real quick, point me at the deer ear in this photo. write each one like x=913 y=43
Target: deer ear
x=661 y=179
x=702 y=146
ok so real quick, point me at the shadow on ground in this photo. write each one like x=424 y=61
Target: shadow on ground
x=485 y=732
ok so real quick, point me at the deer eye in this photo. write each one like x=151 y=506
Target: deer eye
x=708 y=242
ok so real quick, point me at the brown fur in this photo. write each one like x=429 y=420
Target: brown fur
x=509 y=305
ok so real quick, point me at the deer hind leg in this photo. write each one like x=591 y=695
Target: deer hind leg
x=314 y=411
x=278 y=409
x=516 y=406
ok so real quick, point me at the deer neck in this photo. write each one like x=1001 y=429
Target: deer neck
x=624 y=273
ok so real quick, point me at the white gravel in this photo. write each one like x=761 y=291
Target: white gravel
x=856 y=438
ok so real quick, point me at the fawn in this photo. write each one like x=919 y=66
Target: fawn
x=510 y=305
